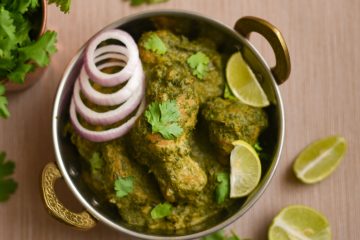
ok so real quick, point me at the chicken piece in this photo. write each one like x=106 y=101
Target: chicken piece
x=170 y=78
x=178 y=175
x=228 y=121
x=179 y=49
x=135 y=208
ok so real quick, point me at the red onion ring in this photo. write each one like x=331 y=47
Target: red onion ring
x=111 y=80
x=112 y=116
x=106 y=135
x=113 y=98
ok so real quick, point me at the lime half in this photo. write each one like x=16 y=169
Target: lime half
x=319 y=159
x=243 y=83
x=245 y=169
x=299 y=223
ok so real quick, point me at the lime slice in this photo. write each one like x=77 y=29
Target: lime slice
x=299 y=223
x=319 y=159
x=245 y=169
x=243 y=83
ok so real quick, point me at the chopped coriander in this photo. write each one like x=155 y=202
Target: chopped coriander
x=40 y=50
x=220 y=235
x=260 y=151
x=139 y=2
x=257 y=147
x=199 y=63
x=155 y=44
x=161 y=210
x=163 y=118
x=124 y=186
x=228 y=94
x=96 y=163
x=7 y=185
x=4 y=112
x=223 y=187
x=64 y=5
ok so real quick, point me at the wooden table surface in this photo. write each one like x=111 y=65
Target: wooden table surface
x=321 y=98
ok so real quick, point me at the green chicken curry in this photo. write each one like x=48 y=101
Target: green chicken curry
x=181 y=169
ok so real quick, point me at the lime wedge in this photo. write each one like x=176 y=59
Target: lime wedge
x=245 y=169
x=319 y=159
x=299 y=223
x=243 y=83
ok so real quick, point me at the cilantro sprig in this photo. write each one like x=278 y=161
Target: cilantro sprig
x=155 y=44
x=7 y=184
x=96 y=163
x=199 y=63
x=161 y=210
x=223 y=187
x=220 y=235
x=19 y=53
x=64 y=5
x=228 y=94
x=163 y=118
x=139 y=2
x=4 y=111
x=124 y=186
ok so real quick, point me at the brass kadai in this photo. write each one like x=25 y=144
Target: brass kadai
x=66 y=155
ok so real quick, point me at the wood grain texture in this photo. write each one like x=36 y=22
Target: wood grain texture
x=321 y=98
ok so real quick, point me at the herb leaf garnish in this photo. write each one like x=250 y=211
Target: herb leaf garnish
x=7 y=185
x=64 y=5
x=161 y=210
x=155 y=44
x=96 y=162
x=124 y=186
x=138 y=2
x=164 y=118
x=228 y=94
x=4 y=111
x=220 y=235
x=199 y=63
x=223 y=187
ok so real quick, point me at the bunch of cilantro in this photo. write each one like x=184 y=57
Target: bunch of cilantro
x=19 y=52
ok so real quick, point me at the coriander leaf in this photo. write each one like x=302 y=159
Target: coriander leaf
x=22 y=6
x=228 y=94
x=124 y=186
x=257 y=147
x=7 y=185
x=219 y=235
x=4 y=111
x=155 y=44
x=7 y=28
x=161 y=210
x=96 y=163
x=139 y=2
x=199 y=63
x=164 y=118
x=18 y=74
x=23 y=27
x=223 y=187
x=40 y=50
x=64 y=5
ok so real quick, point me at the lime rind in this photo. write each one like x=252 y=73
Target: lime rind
x=320 y=159
x=298 y=222
x=243 y=82
x=245 y=170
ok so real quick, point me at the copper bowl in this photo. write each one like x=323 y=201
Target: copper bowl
x=189 y=24
x=40 y=19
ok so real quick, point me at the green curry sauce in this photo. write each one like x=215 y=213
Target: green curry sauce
x=180 y=171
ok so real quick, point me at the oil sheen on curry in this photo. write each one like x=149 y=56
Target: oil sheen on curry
x=164 y=172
